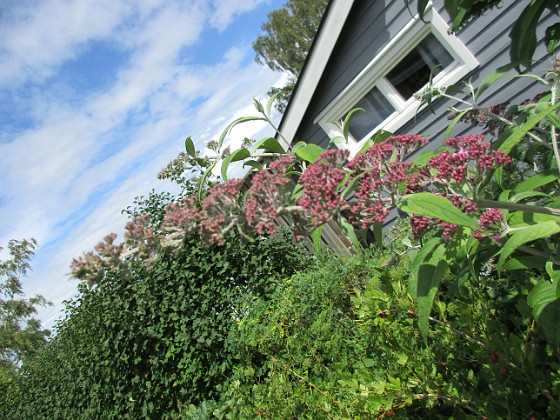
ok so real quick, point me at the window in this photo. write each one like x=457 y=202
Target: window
x=385 y=88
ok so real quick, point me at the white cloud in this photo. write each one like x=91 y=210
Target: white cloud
x=66 y=177
x=226 y=10
x=37 y=37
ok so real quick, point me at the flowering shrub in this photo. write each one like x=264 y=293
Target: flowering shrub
x=459 y=195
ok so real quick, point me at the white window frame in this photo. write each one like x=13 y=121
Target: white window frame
x=373 y=75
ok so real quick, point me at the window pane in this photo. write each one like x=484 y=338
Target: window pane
x=413 y=72
x=377 y=108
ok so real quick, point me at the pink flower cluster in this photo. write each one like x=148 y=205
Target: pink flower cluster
x=471 y=152
x=91 y=267
x=181 y=216
x=140 y=237
x=381 y=172
x=220 y=210
x=322 y=182
x=266 y=194
x=364 y=190
x=490 y=220
x=471 y=161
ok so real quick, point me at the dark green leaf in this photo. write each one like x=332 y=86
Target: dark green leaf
x=253 y=164
x=346 y=124
x=235 y=156
x=432 y=205
x=189 y=147
x=544 y=300
x=316 y=237
x=231 y=125
x=524 y=33
x=270 y=144
x=491 y=78
x=552 y=37
x=518 y=133
x=308 y=152
x=526 y=235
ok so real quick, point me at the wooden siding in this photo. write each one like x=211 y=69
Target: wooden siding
x=372 y=23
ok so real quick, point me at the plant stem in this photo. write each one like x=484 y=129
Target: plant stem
x=552 y=126
x=495 y=116
x=507 y=205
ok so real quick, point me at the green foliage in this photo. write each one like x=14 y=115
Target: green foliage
x=141 y=344
x=341 y=340
x=21 y=335
x=287 y=38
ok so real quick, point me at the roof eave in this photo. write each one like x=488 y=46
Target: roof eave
x=315 y=64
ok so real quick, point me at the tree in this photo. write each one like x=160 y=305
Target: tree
x=287 y=38
x=21 y=335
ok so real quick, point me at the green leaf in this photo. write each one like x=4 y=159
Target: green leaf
x=270 y=144
x=308 y=152
x=517 y=133
x=525 y=262
x=425 y=157
x=271 y=102
x=498 y=176
x=232 y=124
x=350 y=233
x=491 y=78
x=378 y=234
x=429 y=269
x=253 y=164
x=350 y=188
x=368 y=363
x=337 y=140
x=525 y=195
x=454 y=123
x=527 y=234
x=432 y=205
x=552 y=37
x=189 y=147
x=235 y=156
x=346 y=124
x=529 y=76
x=524 y=33
x=544 y=300
x=526 y=218
x=553 y=119
x=203 y=179
x=536 y=181
x=258 y=106
x=297 y=192
x=316 y=237
x=422 y=255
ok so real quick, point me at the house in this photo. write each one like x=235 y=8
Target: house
x=374 y=54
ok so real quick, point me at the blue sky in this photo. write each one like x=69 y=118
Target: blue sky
x=96 y=96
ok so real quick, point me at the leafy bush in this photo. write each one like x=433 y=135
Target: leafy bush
x=341 y=340
x=142 y=343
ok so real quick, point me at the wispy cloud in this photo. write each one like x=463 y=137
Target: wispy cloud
x=75 y=157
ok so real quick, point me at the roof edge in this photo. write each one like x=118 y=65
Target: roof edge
x=323 y=45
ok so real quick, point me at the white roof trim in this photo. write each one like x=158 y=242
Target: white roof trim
x=313 y=70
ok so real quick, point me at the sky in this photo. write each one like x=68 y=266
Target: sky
x=96 y=96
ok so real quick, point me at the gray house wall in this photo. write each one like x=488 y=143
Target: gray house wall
x=370 y=26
